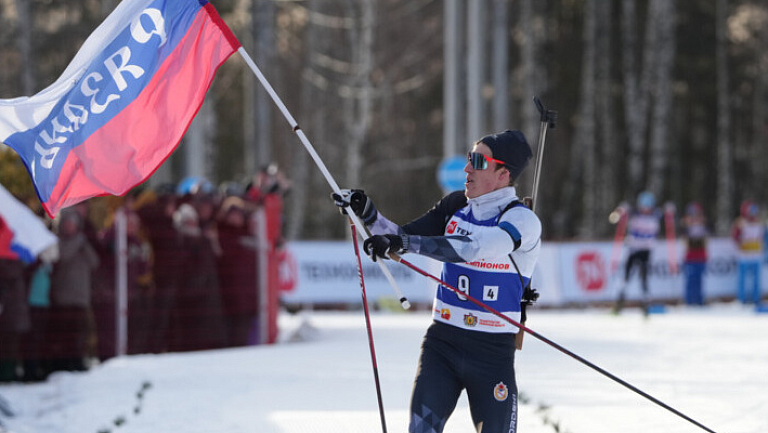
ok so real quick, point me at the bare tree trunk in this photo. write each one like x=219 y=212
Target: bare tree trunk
x=199 y=154
x=760 y=158
x=24 y=42
x=476 y=69
x=636 y=89
x=530 y=117
x=605 y=112
x=257 y=105
x=250 y=85
x=361 y=97
x=724 y=157
x=585 y=140
x=629 y=72
x=758 y=155
x=263 y=30
x=500 y=62
x=300 y=173
x=662 y=107
x=452 y=73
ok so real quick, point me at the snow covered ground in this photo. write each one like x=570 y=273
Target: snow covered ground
x=711 y=364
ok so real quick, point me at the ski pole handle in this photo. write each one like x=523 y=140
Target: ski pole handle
x=548 y=120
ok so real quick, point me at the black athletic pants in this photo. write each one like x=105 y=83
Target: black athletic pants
x=641 y=259
x=453 y=359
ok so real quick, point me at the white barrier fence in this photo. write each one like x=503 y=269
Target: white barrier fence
x=568 y=273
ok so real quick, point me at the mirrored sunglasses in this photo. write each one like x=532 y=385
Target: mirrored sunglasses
x=480 y=161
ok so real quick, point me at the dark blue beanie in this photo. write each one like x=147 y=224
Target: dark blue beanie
x=510 y=147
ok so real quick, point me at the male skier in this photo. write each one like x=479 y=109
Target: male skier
x=489 y=243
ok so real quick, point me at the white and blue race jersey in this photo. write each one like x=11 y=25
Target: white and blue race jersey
x=490 y=275
x=642 y=230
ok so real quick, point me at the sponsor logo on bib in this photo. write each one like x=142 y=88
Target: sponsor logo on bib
x=470 y=319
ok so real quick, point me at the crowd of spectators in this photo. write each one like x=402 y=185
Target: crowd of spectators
x=191 y=279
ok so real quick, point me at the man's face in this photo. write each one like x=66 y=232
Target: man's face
x=481 y=182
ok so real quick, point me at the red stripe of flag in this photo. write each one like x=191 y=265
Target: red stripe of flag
x=133 y=144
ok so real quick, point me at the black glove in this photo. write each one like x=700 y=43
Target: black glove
x=381 y=245
x=356 y=199
x=530 y=296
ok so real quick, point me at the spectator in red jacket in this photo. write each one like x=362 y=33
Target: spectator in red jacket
x=71 y=293
x=198 y=322
x=237 y=271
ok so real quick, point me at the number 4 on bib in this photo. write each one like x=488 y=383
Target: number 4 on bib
x=490 y=293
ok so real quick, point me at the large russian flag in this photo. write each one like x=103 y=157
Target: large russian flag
x=22 y=235
x=122 y=105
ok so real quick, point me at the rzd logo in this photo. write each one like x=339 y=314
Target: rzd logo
x=590 y=271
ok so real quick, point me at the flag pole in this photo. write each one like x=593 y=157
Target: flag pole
x=319 y=162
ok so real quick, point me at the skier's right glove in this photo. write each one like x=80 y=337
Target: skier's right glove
x=379 y=246
x=360 y=204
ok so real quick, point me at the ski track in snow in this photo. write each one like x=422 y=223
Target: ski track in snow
x=708 y=363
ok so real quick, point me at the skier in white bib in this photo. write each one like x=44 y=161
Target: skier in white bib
x=489 y=243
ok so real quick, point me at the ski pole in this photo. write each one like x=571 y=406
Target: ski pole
x=554 y=345
x=370 y=332
x=548 y=120
x=319 y=162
